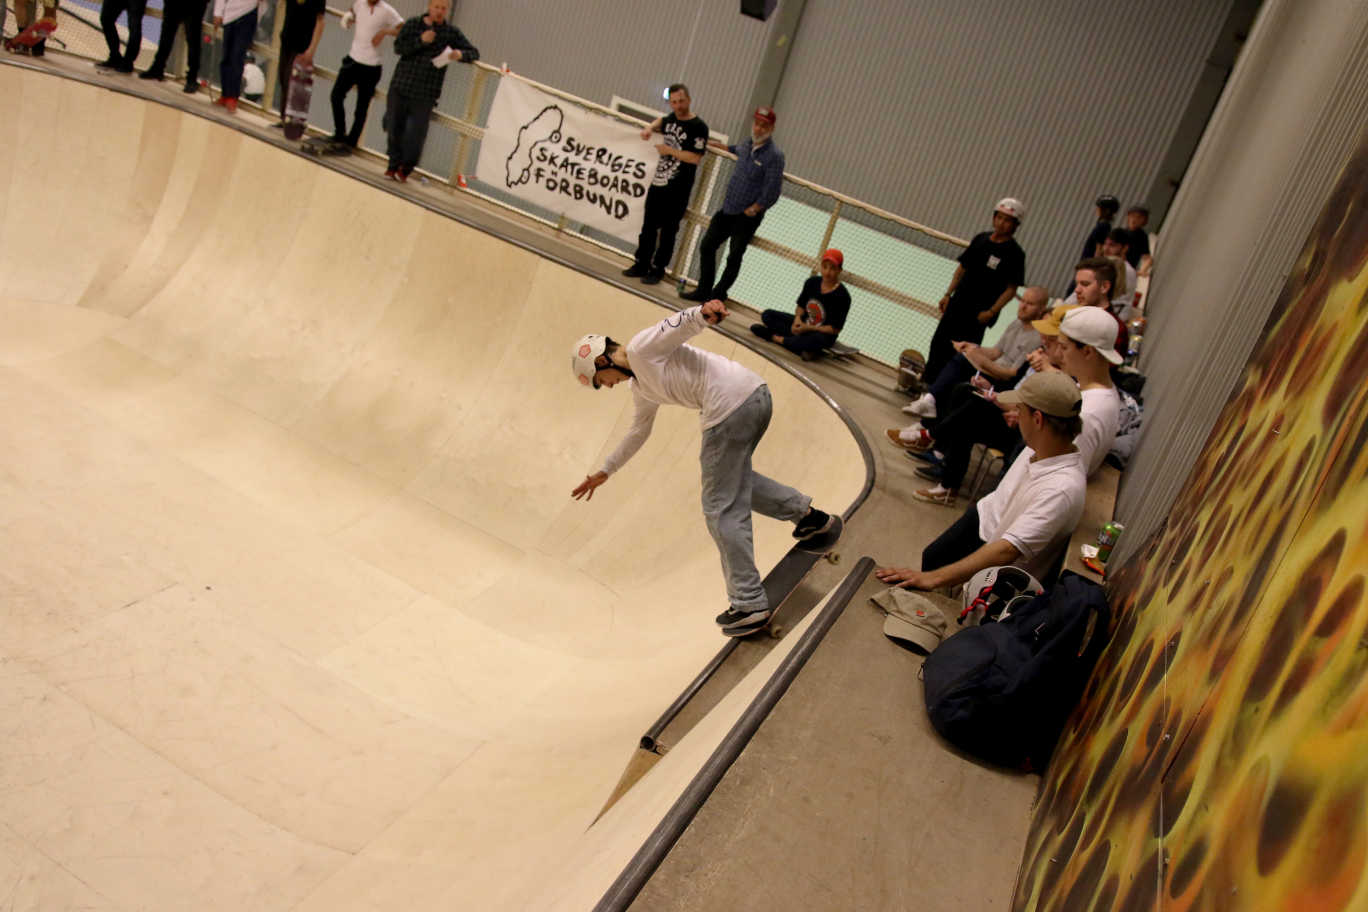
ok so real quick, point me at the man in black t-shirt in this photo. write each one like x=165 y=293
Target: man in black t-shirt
x=685 y=140
x=1107 y=206
x=989 y=272
x=1137 y=217
x=299 y=36
x=823 y=305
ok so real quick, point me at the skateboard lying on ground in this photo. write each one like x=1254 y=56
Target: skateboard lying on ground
x=297 y=100
x=30 y=36
x=796 y=565
x=324 y=145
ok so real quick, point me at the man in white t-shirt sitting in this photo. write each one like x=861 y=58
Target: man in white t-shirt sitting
x=1028 y=519
x=1086 y=352
x=361 y=69
x=734 y=408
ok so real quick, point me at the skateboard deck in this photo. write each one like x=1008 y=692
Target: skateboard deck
x=318 y=145
x=30 y=36
x=790 y=572
x=297 y=100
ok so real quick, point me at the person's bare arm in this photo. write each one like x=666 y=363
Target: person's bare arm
x=652 y=127
x=307 y=55
x=993 y=554
x=987 y=316
x=954 y=283
x=691 y=158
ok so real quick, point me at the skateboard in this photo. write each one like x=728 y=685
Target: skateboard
x=792 y=569
x=297 y=100
x=320 y=146
x=30 y=36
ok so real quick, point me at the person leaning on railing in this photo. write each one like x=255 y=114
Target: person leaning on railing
x=425 y=45
x=755 y=185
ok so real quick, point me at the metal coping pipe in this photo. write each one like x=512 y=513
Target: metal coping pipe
x=648 y=858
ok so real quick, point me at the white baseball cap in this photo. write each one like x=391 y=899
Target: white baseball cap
x=587 y=351
x=1092 y=326
x=1010 y=206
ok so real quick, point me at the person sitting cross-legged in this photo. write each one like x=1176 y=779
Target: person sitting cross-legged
x=1027 y=520
x=823 y=305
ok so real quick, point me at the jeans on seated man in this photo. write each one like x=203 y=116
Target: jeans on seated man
x=1027 y=520
x=999 y=363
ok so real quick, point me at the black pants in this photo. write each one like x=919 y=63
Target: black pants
x=737 y=231
x=664 y=208
x=364 y=79
x=955 y=543
x=109 y=14
x=237 y=39
x=406 y=123
x=959 y=323
x=969 y=419
x=781 y=324
x=187 y=13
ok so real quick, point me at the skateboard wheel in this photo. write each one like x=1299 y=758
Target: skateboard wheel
x=833 y=557
x=775 y=631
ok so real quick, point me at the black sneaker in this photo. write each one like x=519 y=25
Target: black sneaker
x=813 y=524
x=152 y=74
x=739 y=623
x=696 y=296
x=109 y=63
x=191 y=86
x=653 y=277
x=635 y=271
x=930 y=472
x=763 y=331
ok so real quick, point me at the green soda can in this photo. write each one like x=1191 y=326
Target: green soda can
x=1106 y=539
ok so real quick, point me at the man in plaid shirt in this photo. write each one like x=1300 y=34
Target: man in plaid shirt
x=425 y=45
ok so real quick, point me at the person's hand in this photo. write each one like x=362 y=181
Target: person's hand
x=218 y=22
x=986 y=316
x=962 y=347
x=663 y=149
x=428 y=37
x=904 y=578
x=586 y=488
x=753 y=210
x=797 y=329
x=646 y=133
x=714 y=311
x=348 y=19
x=457 y=54
x=980 y=382
x=1009 y=415
x=944 y=303
x=1039 y=361
x=304 y=57
x=377 y=38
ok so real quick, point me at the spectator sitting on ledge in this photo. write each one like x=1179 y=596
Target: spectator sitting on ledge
x=822 y=308
x=1027 y=520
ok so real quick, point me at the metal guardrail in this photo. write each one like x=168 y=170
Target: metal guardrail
x=897 y=268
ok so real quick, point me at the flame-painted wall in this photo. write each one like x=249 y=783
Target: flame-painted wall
x=1220 y=758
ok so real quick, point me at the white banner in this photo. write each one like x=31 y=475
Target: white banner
x=592 y=168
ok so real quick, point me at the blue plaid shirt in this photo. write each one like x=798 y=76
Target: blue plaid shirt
x=758 y=177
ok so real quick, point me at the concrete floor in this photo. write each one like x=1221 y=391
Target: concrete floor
x=233 y=668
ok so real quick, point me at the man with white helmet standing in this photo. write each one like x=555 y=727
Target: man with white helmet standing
x=734 y=408
x=990 y=270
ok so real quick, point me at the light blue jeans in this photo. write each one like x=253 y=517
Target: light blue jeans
x=731 y=490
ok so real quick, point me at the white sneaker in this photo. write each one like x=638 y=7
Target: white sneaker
x=922 y=407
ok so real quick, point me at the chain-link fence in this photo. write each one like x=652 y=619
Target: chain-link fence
x=896 y=270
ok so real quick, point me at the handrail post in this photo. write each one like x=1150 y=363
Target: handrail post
x=473 y=98
x=273 y=68
x=830 y=229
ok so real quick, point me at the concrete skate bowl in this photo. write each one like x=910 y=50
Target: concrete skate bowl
x=295 y=609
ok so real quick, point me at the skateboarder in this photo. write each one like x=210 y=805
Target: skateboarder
x=734 y=406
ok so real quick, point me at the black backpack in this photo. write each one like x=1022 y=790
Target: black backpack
x=1003 y=691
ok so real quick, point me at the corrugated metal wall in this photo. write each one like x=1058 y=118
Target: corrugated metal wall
x=633 y=48
x=1290 y=117
x=935 y=109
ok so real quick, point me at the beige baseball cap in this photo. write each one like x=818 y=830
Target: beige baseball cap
x=913 y=619
x=1052 y=392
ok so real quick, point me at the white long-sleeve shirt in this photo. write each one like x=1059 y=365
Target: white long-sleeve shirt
x=668 y=372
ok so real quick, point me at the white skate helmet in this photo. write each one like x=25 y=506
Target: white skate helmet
x=587 y=350
x=991 y=593
x=1012 y=207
